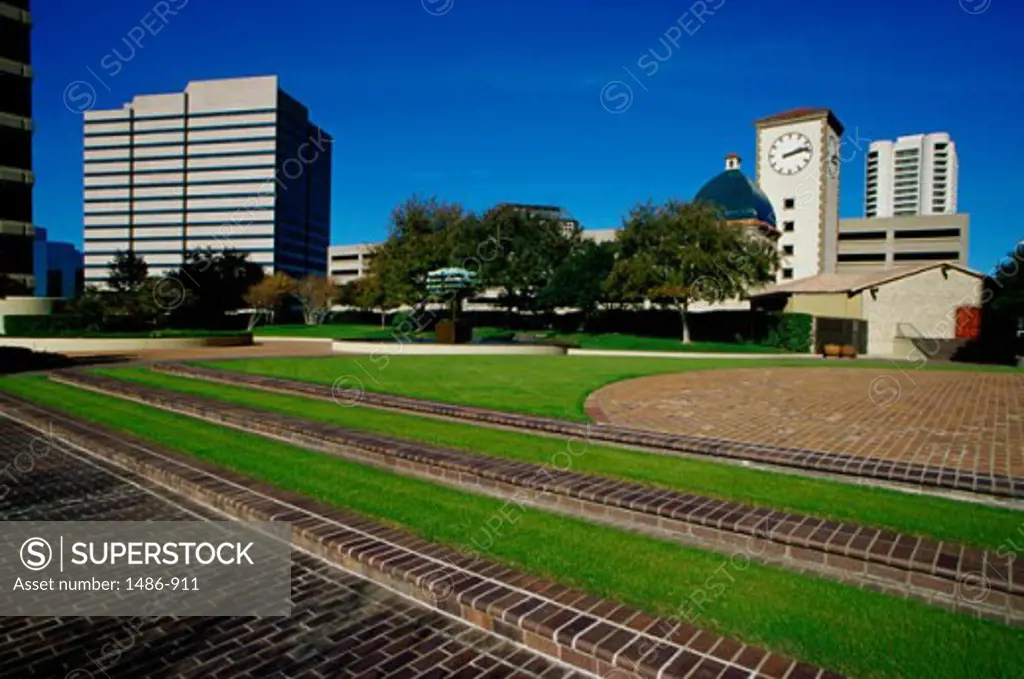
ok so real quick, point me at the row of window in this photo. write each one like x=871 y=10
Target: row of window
x=95 y=169
x=134 y=115
x=900 y=234
x=258 y=210
x=226 y=228
x=179 y=156
x=188 y=180
x=131 y=131
x=178 y=197
x=179 y=143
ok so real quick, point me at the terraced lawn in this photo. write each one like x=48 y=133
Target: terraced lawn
x=551 y=386
x=860 y=633
x=937 y=518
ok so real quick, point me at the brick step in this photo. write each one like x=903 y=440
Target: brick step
x=944 y=574
x=596 y=635
x=997 y=485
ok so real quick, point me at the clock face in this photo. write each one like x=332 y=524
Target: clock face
x=790 y=153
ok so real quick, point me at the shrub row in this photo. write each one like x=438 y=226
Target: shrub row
x=784 y=331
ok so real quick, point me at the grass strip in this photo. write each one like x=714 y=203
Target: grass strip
x=933 y=517
x=550 y=386
x=860 y=633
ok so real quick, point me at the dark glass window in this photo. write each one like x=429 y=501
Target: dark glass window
x=15 y=94
x=862 y=257
x=926 y=256
x=15 y=148
x=862 y=235
x=15 y=201
x=15 y=254
x=14 y=40
x=928 y=233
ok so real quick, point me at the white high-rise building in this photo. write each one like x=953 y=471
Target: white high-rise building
x=225 y=164
x=914 y=175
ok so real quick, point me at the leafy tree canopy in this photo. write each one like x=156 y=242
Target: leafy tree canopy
x=423 y=235
x=128 y=272
x=579 y=281
x=679 y=253
x=213 y=282
x=532 y=248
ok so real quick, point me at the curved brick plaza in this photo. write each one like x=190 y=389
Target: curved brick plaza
x=950 y=419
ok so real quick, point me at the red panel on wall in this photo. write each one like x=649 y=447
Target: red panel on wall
x=968 y=322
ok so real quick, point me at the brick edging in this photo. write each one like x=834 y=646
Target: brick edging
x=932 y=571
x=595 y=635
x=842 y=464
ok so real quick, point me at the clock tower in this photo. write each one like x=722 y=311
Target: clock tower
x=798 y=169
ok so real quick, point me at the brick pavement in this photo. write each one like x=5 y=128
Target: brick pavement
x=341 y=625
x=881 y=466
x=597 y=635
x=948 y=419
x=946 y=574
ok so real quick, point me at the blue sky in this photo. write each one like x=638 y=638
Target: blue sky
x=480 y=101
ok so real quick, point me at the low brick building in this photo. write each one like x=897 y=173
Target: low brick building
x=910 y=311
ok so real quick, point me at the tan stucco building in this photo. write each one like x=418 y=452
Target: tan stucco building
x=900 y=305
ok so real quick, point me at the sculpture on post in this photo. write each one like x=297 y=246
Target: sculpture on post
x=452 y=285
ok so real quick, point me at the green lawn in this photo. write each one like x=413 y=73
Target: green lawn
x=914 y=514
x=860 y=633
x=553 y=386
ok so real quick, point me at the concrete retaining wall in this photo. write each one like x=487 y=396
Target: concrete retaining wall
x=431 y=349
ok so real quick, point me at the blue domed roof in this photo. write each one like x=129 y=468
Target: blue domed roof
x=737 y=197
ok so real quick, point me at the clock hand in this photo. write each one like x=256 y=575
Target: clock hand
x=796 y=151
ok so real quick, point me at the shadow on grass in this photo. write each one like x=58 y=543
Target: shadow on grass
x=20 y=360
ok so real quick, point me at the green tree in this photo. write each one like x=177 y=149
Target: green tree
x=128 y=272
x=1003 y=332
x=367 y=293
x=1009 y=295
x=213 y=282
x=679 y=253
x=533 y=247
x=423 y=235
x=579 y=281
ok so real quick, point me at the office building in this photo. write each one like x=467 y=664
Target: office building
x=552 y=212
x=350 y=262
x=58 y=267
x=231 y=163
x=16 y=178
x=887 y=242
x=915 y=175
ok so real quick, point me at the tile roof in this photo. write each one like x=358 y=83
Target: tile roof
x=853 y=282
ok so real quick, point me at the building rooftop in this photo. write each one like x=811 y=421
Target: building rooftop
x=804 y=112
x=851 y=283
x=738 y=197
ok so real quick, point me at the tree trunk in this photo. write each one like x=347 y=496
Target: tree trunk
x=682 y=315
